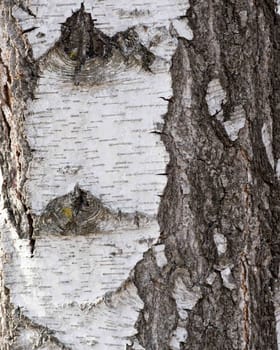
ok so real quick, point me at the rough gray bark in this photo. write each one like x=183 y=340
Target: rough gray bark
x=209 y=188
x=219 y=214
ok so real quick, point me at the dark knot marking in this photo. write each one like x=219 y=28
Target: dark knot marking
x=81 y=41
x=77 y=212
x=81 y=213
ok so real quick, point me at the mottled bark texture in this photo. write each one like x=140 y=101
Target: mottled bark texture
x=219 y=214
x=219 y=186
x=17 y=79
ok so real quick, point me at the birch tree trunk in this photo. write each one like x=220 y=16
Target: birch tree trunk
x=140 y=161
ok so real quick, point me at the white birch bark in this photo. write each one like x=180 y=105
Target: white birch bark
x=102 y=133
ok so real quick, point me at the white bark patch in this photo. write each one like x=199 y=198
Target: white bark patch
x=1 y=184
x=278 y=6
x=227 y=278
x=72 y=260
x=97 y=134
x=26 y=338
x=3 y=77
x=221 y=243
x=236 y=123
x=159 y=254
x=277 y=315
x=267 y=141
x=249 y=176
x=278 y=169
x=179 y=336
x=211 y=278
x=69 y=284
x=215 y=96
x=243 y=18
x=277 y=312
x=187 y=89
x=182 y=29
x=186 y=298
x=104 y=143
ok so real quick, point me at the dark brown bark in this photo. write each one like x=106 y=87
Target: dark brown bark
x=221 y=198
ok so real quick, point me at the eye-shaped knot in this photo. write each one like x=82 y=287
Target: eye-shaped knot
x=78 y=212
x=81 y=213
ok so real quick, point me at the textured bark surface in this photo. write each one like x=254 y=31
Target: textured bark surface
x=219 y=214
x=209 y=280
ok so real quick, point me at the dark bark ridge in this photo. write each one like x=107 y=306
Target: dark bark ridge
x=19 y=74
x=219 y=186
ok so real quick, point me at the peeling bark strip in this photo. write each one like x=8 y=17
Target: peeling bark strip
x=83 y=167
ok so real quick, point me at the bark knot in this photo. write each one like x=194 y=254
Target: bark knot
x=86 y=46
